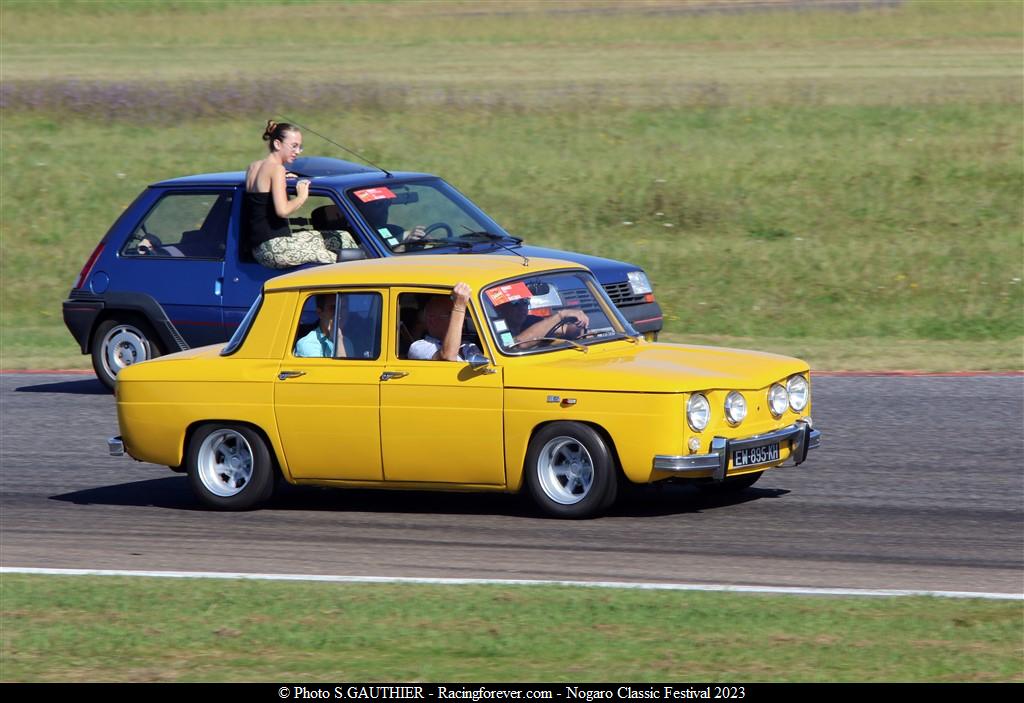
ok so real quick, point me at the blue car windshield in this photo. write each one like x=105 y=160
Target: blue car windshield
x=425 y=214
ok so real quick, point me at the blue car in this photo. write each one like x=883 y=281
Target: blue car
x=176 y=269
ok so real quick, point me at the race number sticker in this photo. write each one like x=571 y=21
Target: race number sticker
x=510 y=292
x=368 y=195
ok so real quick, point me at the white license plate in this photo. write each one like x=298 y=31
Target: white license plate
x=752 y=456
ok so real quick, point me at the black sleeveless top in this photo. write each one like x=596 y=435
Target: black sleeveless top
x=264 y=224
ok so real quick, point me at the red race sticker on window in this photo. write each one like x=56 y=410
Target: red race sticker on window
x=508 y=293
x=368 y=195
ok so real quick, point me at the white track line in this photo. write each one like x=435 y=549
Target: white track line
x=512 y=582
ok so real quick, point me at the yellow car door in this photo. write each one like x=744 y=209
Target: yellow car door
x=440 y=421
x=327 y=407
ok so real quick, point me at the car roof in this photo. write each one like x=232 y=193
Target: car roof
x=478 y=270
x=321 y=170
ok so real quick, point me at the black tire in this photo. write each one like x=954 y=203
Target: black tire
x=570 y=472
x=121 y=342
x=735 y=484
x=229 y=467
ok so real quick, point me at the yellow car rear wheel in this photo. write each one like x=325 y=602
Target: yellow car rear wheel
x=229 y=466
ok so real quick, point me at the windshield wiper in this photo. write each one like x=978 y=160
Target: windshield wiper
x=483 y=234
x=575 y=345
x=496 y=239
x=597 y=334
x=435 y=244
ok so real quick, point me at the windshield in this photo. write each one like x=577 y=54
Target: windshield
x=424 y=214
x=550 y=311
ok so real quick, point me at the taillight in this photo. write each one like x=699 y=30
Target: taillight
x=89 y=263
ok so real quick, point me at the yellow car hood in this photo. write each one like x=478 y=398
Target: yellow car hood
x=652 y=368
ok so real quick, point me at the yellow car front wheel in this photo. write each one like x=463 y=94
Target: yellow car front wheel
x=570 y=470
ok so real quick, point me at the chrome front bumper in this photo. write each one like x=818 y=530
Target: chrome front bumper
x=115 y=445
x=800 y=436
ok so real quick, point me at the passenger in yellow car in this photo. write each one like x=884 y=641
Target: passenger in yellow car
x=443 y=318
x=320 y=341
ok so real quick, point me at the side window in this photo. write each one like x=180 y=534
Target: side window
x=340 y=326
x=183 y=225
x=411 y=324
x=320 y=214
x=419 y=319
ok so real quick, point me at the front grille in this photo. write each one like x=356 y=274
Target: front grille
x=622 y=294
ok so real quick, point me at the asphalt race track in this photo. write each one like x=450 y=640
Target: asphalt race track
x=918 y=485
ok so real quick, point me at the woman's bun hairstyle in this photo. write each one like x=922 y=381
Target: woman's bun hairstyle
x=268 y=133
x=276 y=130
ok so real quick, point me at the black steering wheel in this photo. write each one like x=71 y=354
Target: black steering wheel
x=439 y=226
x=568 y=328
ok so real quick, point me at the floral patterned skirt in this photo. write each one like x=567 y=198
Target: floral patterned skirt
x=303 y=247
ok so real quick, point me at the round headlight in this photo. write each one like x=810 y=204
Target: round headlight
x=735 y=407
x=698 y=412
x=778 y=399
x=799 y=392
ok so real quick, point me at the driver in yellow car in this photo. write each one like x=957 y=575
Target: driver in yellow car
x=568 y=323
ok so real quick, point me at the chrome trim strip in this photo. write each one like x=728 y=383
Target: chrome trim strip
x=720 y=448
x=685 y=464
x=115 y=446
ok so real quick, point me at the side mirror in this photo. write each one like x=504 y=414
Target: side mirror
x=478 y=361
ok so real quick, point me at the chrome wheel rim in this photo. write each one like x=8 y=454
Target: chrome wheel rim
x=123 y=346
x=565 y=470
x=225 y=463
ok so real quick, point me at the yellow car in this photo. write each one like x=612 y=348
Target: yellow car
x=325 y=383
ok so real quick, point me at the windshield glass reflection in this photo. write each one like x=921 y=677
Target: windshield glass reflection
x=550 y=311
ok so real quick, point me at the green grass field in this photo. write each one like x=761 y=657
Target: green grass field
x=824 y=177
x=169 y=630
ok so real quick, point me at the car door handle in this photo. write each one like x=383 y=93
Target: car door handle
x=284 y=375
x=388 y=375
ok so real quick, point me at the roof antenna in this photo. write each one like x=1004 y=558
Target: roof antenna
x=326 y=139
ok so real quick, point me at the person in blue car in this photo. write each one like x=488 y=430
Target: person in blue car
x=267 y=206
